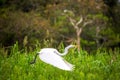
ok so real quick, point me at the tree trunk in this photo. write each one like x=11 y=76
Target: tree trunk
x=78 y=42
x=78 y=32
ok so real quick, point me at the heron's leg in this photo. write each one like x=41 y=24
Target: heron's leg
x=32 y=62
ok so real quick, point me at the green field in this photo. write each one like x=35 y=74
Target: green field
x=100 y=66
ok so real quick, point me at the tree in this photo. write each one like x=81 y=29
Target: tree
x=78 y=25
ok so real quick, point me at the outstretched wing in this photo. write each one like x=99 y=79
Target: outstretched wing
x=56 y=60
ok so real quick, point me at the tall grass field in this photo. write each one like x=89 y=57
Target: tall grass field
x=100 y=66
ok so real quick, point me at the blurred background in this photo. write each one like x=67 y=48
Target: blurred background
x=31 y=22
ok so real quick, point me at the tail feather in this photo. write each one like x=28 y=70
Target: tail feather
x=70 y=65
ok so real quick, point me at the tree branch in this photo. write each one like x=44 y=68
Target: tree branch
x=73 y=23
x=80 y=21
x=80 y=30
x=86 y=23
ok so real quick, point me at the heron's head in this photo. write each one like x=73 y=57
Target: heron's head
x=71 y=46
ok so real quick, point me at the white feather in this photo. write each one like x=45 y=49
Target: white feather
x=50 y=56
x=53 y=57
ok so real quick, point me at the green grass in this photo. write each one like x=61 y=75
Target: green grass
x=102 y=66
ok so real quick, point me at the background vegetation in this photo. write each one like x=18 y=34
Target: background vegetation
x=31 y=21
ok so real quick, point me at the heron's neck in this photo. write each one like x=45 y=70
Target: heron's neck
x=65 y=51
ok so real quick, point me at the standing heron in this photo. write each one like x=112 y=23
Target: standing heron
x=53 y=57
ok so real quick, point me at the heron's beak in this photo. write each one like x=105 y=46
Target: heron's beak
x=75 y=46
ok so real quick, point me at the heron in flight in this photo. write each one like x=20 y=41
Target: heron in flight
x=53 y=57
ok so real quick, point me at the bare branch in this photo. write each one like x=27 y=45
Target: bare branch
x=73 y=23
x=86 y=23
x=80 y=21
x=80 y=30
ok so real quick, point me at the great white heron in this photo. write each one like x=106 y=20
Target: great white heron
x=53 y=57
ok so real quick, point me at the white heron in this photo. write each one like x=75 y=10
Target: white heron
x=53 y=57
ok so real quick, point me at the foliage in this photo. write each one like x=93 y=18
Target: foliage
x=29 y=22
x=21 y=26
x=114 y=13
x=102 y=66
